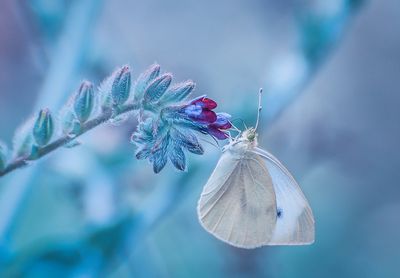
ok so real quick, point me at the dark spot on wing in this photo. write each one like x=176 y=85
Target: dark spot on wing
x=279 y=212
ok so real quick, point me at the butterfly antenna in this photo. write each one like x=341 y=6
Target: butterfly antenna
x=259 y=107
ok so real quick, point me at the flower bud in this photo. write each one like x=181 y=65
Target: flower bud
x=43 y=128
x=83 y=101
x=23 y=141
x=121 y=86
x=145 y=79
x=177 y=157
x=69 y=123
x=157 y=88
x=178 y=92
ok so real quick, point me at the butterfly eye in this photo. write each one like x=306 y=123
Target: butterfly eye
x=251 y=135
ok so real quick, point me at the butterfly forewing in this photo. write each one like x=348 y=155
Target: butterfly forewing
x=295 y=222
x=238 y=202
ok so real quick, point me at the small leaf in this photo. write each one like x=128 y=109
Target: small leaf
x=196 y=149
x=178 y=92
x=157 y=88
x=188 y=140
x=120 y=119
x=177 y=157
x=159 y=157
x=144 y=80
x=3 y=156
x=105 y=101
x=121 y=86
x=83 y=101
x=43 y=128
x=159 y=162
x=72 y=144
x=144 y=133
x=69 y=122
x=143 y=153
x=34 y=152
x=23 y=141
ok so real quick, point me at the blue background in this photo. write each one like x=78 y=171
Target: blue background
x=331 y=75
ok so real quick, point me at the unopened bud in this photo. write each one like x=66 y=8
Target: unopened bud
x=145 y=79
x=157 y=88
x=83 y=102
x=43 y=128
x=121 y=86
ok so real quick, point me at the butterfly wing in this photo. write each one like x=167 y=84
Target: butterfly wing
x=237 y=204
x=295 y=221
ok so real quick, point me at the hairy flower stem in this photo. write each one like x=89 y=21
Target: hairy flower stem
x=105 y=116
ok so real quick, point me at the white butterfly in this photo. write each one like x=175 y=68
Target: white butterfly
x=252 y=200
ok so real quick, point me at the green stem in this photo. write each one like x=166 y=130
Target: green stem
x=107 y=115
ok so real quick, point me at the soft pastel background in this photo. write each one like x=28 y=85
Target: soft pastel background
x=331 y=74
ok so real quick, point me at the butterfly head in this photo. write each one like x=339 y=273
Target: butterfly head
x=247 y=139
x=249 y=136
x=243 y=143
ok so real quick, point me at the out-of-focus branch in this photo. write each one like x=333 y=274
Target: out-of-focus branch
x=65 y=139
x=65 y=64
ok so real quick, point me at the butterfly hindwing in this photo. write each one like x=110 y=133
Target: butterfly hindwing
x=295 y=222
x=238 y=204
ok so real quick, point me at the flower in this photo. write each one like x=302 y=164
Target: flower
x=168 y=132
x=200 y=110
x=169 y=136
x=217 y=128
x=198 y=114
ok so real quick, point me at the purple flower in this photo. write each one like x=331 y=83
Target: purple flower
x=200 y=110
x=198 y=115
x=170 y=136
x=217 y=128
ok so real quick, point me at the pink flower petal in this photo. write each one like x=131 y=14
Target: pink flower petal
x=193 y=110
x=204 y=102
x=206 y=116
x=220 y=135
x=227 y=125
x=222 y=121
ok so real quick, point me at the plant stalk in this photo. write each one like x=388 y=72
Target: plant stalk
x=105 y=116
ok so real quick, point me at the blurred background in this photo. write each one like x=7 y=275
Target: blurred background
x=330 y=71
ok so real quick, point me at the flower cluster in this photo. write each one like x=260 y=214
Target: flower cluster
x=171 y=132
x=160 y=142
x=200 y=110
x=167 y=120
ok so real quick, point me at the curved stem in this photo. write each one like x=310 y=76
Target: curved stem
x=107 y=115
